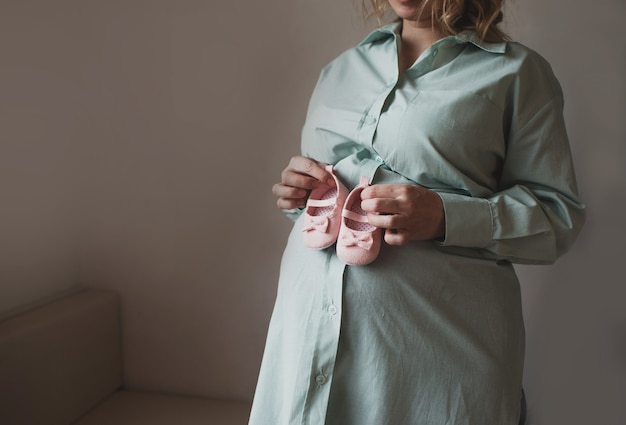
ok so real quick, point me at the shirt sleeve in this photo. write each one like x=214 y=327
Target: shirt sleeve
x=536 y=214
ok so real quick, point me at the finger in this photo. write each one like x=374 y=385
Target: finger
x=283 y=191
x=396 y=236
x=385 y=221
x=380 y=191
x=381 y=205
x=392 y=191
x=291 y=178
x=309 y=167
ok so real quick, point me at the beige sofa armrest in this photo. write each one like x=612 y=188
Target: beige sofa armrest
x=140 y=408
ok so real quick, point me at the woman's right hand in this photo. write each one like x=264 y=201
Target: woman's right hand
x=297 y=180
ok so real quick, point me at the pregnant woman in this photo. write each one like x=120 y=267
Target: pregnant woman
x=434 y=155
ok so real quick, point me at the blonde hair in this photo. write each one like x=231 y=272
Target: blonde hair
x=455 y=16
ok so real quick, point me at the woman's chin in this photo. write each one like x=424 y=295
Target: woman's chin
x=406 y=9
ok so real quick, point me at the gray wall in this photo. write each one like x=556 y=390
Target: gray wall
x=40 y=127
x=140 y=139
x=574 y=310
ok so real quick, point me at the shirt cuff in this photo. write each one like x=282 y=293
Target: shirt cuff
x=469 y=221
x=293 y=213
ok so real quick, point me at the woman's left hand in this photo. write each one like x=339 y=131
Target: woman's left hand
x=406 y=212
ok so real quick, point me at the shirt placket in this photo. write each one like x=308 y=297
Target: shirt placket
x=371 y=117
x=326 y=343
x=370 y=120
x=330 y=309
x=327 y=319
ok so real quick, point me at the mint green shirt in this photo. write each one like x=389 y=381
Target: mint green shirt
x=430 y=333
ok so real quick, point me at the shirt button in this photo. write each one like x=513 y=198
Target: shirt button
x=320 y=379
x=332 y=309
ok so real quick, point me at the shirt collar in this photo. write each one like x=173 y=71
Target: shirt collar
x=393 y=29
x=381 y=33
x=471 y=37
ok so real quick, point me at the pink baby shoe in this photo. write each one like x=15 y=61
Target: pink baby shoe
x=359 y=242
x=322 y=215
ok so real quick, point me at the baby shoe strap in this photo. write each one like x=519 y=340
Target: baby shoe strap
x=354 y=216
x=321 y=202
